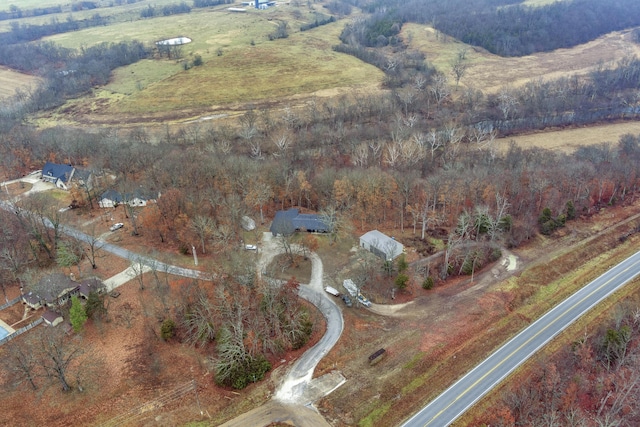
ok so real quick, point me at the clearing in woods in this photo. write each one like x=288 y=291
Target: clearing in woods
x=568 y=140
x=11 y=80
x=488 y=72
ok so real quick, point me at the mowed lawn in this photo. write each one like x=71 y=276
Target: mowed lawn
x=240 y=63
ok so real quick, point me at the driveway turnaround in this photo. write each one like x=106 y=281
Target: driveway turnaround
x=293 y=399
x=451 y=404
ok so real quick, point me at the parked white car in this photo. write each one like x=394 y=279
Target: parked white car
x=250 y=247
x=363 y=300
x=116 y=226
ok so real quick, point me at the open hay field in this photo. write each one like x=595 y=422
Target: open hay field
x=489 y=73
x=116 y=13
x=567 y=140
x=240 y=64
x=5 y=6
x=11 y=80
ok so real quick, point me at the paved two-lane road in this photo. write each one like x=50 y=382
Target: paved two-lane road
x=451 y=404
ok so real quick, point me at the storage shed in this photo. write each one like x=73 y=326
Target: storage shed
x=381 y=245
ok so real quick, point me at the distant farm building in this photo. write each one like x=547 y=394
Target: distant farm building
x=381 y=245
x=259 y=4
x=288 y=222
x=176 y=41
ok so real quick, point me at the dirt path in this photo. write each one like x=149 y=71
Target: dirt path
x=277 y=412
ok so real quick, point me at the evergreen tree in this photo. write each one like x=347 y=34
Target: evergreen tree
x=77 y=314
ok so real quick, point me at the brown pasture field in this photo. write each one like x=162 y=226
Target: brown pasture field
x=11 y=80
x=488 y=72
x=568 y=140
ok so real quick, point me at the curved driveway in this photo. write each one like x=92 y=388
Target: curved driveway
x=293 y=386
x=453 y=402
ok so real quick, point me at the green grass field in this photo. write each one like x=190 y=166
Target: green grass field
x=250 y=67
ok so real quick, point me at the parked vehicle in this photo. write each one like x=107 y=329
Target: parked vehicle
x=332 y=291
x=116 y=226
x=347 y=300
x=250 y=247
x=363 y=300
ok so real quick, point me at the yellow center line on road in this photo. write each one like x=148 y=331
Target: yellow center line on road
x=468 y=389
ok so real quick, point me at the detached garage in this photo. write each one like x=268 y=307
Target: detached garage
x=381 y=245
x=52 y=318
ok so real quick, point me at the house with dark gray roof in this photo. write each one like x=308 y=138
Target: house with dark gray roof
x=50 y=291
x=113 y=198
x=84 y=178
x=289 y=221
x=92 y=284
x=59 y=175
x=110 y=199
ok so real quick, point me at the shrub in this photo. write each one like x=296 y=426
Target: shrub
x=241 y=374
x=402 y=281
x=402 y=264
x=95 y=306
x=304 y=333
x=428 y=283
x=167 y=330
x=571 y=210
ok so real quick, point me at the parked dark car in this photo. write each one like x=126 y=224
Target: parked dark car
x=347 y=300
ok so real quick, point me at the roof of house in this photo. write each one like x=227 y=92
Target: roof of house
x=31 y=298
x=287 y=222
x=112 y=195
x=87 y=286
x=382 y=242
x=82 y=175
x=50 y=287
x=51 y=316
x=140 y=193
x=118 y=197
x=61 y=172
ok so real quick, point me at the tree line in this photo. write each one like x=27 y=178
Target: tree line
x=28 y=32
x=502 y=27
x=67 y=73
x=16 y=13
